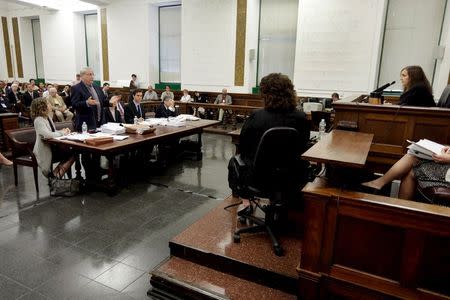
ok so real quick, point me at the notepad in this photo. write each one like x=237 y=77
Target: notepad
x=424 y=148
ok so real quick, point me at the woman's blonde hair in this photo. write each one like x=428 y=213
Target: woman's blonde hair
x=39 y=108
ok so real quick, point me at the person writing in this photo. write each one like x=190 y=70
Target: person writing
x=416 y=88
x=280 y=101
x=413 y=171
x=45 y=129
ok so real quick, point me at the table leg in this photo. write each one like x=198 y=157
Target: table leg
x=199 y=154
x=111 y=184
x=78 y=167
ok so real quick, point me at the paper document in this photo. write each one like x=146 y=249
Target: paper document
x=424 y=148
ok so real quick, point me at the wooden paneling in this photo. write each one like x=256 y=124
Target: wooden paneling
x=7 y=47
x=15 y=24
x=104 y=34
x=241 y=24
x=362 y=246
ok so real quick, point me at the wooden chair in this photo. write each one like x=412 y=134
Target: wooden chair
x=22 y=143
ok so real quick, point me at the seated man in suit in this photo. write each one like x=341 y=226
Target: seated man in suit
x=13 y=94
x=58 y=106
x=223 y=99
x=30 y=95
x=166 y=108
x=134 y=108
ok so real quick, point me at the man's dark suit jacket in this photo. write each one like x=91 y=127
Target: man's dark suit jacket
x=130 y=112
x=109 y=116
x=417 y=95
x=83 y=111
x=163 y=112
x=27 y=99
x=261 y=120
x=11 y=97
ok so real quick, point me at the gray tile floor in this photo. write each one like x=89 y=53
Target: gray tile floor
x=98 y=247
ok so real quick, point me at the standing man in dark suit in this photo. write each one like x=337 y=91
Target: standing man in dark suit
x=134 y=108
x=88 y=101
x=106 y=91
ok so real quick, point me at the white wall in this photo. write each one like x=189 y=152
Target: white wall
x=128 y=41
x=80 y=44
x=338 y=46
x=443 y=65
x=153 y=47
x=207 y=52
x=26 y=44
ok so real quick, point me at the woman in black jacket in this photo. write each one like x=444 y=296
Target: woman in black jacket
x=417 y=88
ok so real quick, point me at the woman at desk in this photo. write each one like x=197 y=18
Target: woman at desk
x=45 y=129
x=280 y=101
x=416 y=87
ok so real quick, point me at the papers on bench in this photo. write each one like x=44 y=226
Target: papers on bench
x=424 y=148
x=81 y=137
x=178 y=121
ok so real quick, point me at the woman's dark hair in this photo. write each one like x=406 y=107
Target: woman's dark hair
x=278 y=92
x=417 y=76
x=39 y=108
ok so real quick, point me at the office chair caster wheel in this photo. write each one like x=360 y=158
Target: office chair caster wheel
x=278 y=250
x=236 y=238
x=242 y=220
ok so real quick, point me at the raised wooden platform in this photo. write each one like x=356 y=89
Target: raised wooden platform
x=205 y=253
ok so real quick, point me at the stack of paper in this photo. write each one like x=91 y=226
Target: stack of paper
x=424 y=148
x=112 y=128
x=81 y=137
x=171 y=121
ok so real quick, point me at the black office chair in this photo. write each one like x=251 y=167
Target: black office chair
x=276 y=173
x=444 y=101
x=317 y=116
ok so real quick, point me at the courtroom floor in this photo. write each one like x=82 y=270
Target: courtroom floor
x=98 y=247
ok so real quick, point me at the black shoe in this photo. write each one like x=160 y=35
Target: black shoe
x=244 y=210
x=369 y=190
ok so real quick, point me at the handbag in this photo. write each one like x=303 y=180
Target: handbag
x=64 y=187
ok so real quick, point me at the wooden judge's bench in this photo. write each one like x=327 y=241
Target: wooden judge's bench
x=392 y=125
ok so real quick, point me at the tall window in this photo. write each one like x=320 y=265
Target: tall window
x=92 y=45
x=277 y=37
x=170 y=44
x=37 y=45
x=411 y=35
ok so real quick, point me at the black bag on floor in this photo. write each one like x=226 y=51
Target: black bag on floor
x=64 y=187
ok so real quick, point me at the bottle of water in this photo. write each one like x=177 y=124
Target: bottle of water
x=135 y=120
x=84 y=128
x=322 y=127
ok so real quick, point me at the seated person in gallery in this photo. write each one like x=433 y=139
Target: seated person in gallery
x=30 y=94
x=166 y=93
x=59 y=108
x=134 y=108
x=186 y=97
x=5 y=106
x=280 y=101
x=150 y=94
x=200 y=98
x=416 y=88
x=413 y=171
x=334 y=97
x=166 y=108
x=223 y=99
x=45 y=129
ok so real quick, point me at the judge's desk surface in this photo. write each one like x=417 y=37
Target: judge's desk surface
x=392 y=125
x=162 y=134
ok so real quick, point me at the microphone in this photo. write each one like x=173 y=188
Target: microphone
x=383 y=87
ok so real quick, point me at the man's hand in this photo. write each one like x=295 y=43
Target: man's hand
x=114 y=99
x=91 y=101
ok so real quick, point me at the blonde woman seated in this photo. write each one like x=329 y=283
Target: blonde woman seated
x=45 y=129
x=413 y=171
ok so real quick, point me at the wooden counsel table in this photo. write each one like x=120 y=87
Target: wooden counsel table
x=162 y=134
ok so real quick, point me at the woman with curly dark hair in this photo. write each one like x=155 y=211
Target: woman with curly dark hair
x=417 y=88
x=45 y=129
x=280 y=101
